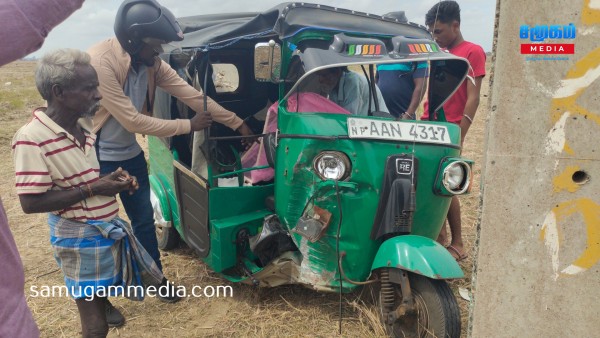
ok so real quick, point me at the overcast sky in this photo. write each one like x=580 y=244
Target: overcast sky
x=94 y=21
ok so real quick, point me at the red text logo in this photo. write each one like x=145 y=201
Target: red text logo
x=547 y=48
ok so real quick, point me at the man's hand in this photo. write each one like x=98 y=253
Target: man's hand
x=246 y=131
x=114 y=183
x=133 y=186
x=201 y=121
x=406 y=116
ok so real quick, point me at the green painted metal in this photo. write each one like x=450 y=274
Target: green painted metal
x=230 y=210
x=223 y=234
x=240 y=171
x=417 y=254
x=228 y=201
x=296 y=182
x=160 y=166
x=161 y=194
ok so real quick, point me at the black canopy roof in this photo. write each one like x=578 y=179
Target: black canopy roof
x=287 y=19
x=215 y=31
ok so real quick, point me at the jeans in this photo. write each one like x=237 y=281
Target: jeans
x=138 y=206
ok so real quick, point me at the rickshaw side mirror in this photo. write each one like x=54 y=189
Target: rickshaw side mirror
x=267 y=61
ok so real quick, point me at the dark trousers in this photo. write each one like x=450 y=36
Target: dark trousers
x=138 y=206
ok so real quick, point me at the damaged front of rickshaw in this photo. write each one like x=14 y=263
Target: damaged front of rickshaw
x=365 y=197
x=360 y=193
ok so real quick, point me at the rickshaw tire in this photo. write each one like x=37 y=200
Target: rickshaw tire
x=440 y=305
x=168 y=240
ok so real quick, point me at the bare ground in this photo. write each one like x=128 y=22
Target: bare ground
x=282 y=311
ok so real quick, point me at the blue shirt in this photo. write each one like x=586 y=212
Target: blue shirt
x=397 y=84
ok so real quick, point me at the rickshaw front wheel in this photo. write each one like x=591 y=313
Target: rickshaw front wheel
x=435 y=312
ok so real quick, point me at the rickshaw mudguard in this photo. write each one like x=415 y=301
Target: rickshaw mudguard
x=417 y=254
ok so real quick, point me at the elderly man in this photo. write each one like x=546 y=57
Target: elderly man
x=57 y=172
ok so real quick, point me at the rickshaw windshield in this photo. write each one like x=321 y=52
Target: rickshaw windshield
x=312 y=60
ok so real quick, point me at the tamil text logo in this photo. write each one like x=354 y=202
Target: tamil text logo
x=540 y=33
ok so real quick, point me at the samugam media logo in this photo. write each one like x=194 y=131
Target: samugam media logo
x=539 y=33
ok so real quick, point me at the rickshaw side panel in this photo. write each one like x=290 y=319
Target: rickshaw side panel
x=231 y=210
x=224 y=253
x=229 y=201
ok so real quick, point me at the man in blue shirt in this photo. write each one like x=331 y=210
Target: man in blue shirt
x=402 y=85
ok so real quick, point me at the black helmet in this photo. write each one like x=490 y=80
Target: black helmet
x=139 y=20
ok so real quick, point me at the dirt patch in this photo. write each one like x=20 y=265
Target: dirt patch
x=282 y=311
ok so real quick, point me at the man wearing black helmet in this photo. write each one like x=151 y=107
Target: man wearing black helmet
x=129 y=71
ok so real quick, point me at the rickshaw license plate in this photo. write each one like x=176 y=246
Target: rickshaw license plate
x=397 y=131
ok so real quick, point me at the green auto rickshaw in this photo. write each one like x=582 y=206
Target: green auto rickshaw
x=326 y=198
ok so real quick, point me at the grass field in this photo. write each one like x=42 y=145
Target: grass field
x=282 y=311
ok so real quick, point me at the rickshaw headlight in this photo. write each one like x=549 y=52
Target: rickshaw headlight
x=457 y=177
x=332 y=165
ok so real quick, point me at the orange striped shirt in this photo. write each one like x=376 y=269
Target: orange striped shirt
x=47 y=157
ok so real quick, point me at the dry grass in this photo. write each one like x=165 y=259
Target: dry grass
x=283 y=311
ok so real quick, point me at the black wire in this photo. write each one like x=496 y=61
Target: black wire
x=369 y=112
x=337 y=250
x=372 y=89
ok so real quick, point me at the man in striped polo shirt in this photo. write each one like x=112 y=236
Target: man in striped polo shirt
x=55 y=159
x=57 y=172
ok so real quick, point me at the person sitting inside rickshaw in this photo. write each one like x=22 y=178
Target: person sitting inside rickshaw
x=349 y=90
x=300 y=102
x=341 y=91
